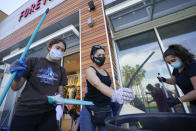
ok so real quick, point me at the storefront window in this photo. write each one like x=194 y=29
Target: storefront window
x=106 y=2
x=128 y=17
x=132 y=51
x=7 y=106
x=1 y=77
x=144 y=11
x=165 y=7
x=183 y=32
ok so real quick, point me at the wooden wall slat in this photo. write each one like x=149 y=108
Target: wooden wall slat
x=90 y=42
x=93 y=37
x=88 y=45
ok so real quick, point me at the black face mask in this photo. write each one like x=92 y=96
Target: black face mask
x=99 y=60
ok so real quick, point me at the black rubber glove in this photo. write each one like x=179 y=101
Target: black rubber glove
x=173 y=101
x=161 y=79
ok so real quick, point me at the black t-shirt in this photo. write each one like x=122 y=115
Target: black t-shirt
x=183 y=79
x=43 y=79
x=93 y=94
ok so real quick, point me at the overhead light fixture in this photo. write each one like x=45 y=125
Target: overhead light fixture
x=91 y=5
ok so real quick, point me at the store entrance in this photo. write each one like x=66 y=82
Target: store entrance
x=71 y=91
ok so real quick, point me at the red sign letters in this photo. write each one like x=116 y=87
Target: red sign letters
x=32 y=8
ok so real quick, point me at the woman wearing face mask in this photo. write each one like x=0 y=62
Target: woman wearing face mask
x=100 y=92
x=45 y=77
x=184 y=74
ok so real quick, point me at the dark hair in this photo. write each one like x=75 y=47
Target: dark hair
x=181 y=52
x=149 y=87
x=55 y=41
x=95 y=48
x=157 y=85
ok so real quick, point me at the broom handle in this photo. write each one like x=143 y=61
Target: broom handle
x=22 y=56
x=165 y=92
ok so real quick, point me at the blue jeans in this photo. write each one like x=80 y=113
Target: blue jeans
x=86 y=123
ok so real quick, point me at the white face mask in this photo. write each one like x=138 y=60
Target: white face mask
x=55 y=54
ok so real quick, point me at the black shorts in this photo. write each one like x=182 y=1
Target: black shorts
x=42 y=122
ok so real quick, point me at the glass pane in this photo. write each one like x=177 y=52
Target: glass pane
x=183 y=32
x=1 y=74
x=136 y=14
x=165 y=7
x=132 y=51
x=106 y=2
x=144 y=11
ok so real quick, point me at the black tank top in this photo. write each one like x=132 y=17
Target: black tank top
x=94 y=94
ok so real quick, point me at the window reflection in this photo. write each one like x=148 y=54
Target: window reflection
x=132 y=51
x=183 y=32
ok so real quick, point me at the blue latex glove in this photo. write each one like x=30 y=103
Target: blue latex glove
x=58 y=99
x=54 y=99
x=19 y=66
